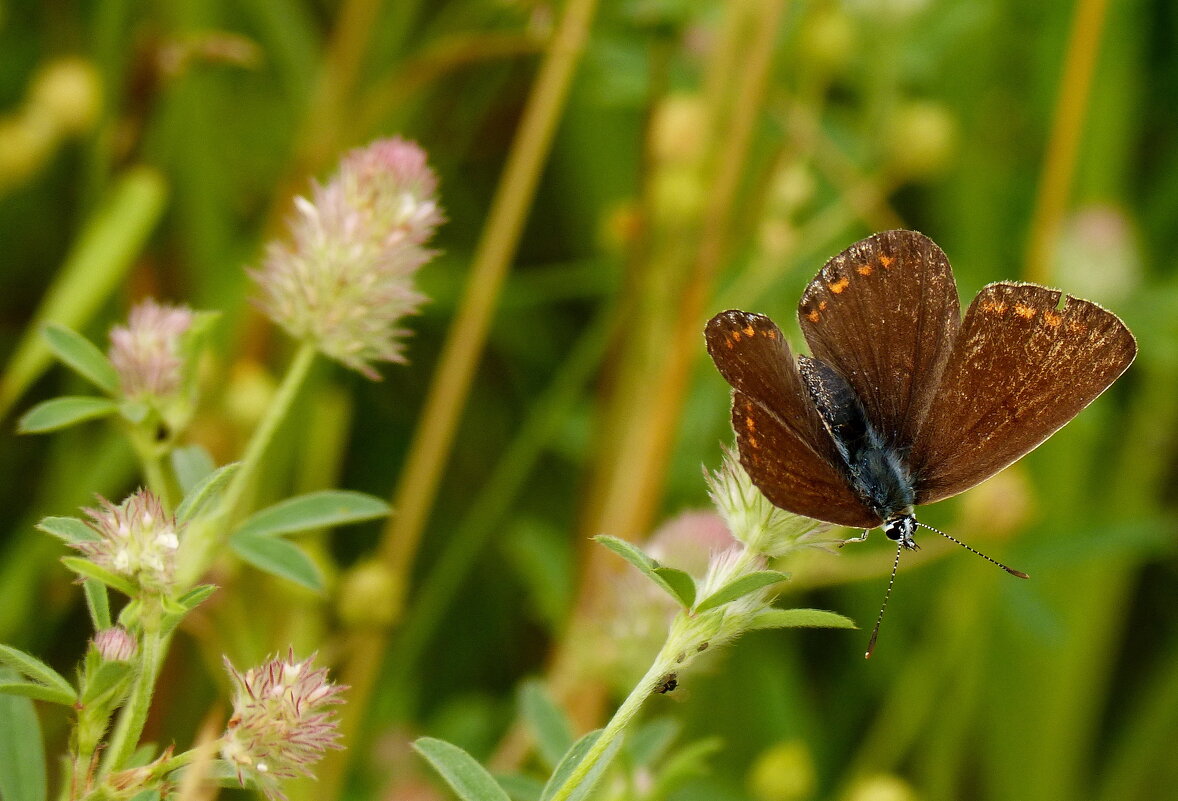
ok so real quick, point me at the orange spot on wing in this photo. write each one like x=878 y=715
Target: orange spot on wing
x=813 y=316
x=822 y=305
x=865 y=269
x=1052 y=319
x=750 y=424
x=734 y=336
x=771 y=334
x=1024 y=311
x=752 y=441
x=994 y=306
x=839 y=285
x=886 y=261
x=750 y=332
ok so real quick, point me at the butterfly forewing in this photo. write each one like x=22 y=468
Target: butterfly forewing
x=884 y=314
x=783 y=444
x=1021 y=368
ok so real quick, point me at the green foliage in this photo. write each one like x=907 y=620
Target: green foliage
x=52 y=685
x=22 y=750
x=68 y=529
x=202 y=491
x=59 y=413
x=466 y=777
x=674 y=582
x=312 y=511
x=89 y=570
x=749 y=582
x=278 y=557
x=800 y=618
x=687 y=172
x=569 y=762
x=548 y=724
x=81 y=355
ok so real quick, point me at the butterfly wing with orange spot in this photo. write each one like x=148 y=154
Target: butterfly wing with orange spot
x=1022 y=367
x=884 y=314
x=783 y=444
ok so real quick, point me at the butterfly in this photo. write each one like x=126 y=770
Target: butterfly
x=902 y=402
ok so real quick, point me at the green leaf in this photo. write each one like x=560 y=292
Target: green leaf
x=98 y=602
x=176 y=609
x=64 y=412
x=312 y=511
x=32 y=667
x=687 y=762
x=82 y=356
x=466 y=777
x=38 y=692
x=681 y=584
x=738 y=588
x=550 y=727
x=628 y=551
x=520 y=787
x=278 y=557
x=649 y=741
x=22 y=751
x=637 y=557
x=196 y=596
x=191 y=463
x=800 y=618
x=111 y=678
x=572 y=759
x=69 y=529
x=205 y=491
x=87 y=569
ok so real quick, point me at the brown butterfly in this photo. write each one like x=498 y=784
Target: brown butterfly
x=903 y=403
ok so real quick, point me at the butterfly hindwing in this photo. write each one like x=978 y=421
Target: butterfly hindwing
x=884 y=314
x=1022 y=367
x=783 y=443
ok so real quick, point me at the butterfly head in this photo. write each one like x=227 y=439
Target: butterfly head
x=900 y=529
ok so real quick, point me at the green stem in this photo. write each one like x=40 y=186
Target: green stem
x=134 y=715
x=153 y=469
x=280 y=407
x=623 y=717
x=202 y=540
x=176 y=762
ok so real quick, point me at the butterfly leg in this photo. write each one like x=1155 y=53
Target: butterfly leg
x=861 y=538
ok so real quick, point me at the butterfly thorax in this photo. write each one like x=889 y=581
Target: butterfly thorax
x=872 y=465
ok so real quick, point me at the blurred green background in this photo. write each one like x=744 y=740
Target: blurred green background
x=705 y=155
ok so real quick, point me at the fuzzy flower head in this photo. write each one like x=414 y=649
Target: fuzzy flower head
x=753 y=519
x=146 y=353
x=116 y=644
x=345 y=279
x=279 y=726
x=137 y=539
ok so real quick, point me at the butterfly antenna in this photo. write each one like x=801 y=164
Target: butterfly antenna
x=882 y=609
x=973 y=550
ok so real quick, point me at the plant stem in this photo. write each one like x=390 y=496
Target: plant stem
x=622 y=718
x=417 y=488
x=201 y=541
x=1063 y=146
x=280 y=407
x=153 y=469
x=134 y=715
